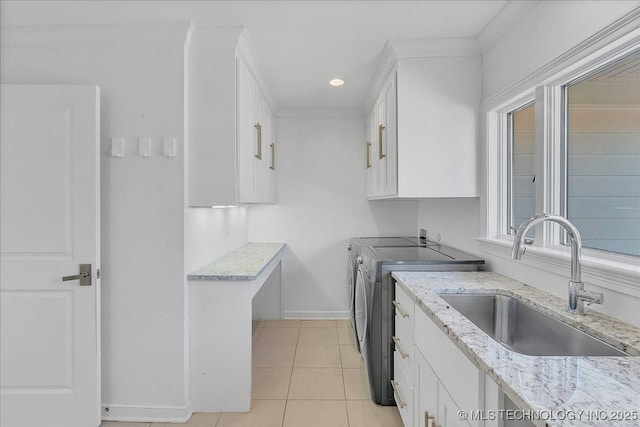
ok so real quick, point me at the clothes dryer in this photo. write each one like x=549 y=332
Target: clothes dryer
x=353 y=251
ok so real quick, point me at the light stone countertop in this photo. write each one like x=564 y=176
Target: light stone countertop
x=558 y=387
x=243 y=264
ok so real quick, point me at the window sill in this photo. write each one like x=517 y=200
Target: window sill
x=616 y=275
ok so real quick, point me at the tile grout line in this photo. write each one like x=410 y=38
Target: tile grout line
x=344 y=383
x=293 y=362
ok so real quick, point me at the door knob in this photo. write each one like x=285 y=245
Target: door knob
x=84 y=275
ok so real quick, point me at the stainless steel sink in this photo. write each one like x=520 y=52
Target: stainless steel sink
x=524 y=329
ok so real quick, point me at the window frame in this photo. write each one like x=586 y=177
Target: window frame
x=544 y=87
x=509 y=120
x=564 y=148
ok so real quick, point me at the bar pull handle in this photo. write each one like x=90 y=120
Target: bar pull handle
x=403 y=354
x=400 y=310
x=272 y=165
x=380 y=129
x=429 y=420
x=368 y=154
x=84 y=276
x=399 y=400
x=258 y=154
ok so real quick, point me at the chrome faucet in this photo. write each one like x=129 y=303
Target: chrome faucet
x=577 y=294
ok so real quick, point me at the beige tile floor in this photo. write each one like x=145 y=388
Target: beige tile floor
x=305 y=373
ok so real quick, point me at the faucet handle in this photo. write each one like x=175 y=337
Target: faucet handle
x=591 y=297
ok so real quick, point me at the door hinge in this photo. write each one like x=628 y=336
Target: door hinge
x=97 y=273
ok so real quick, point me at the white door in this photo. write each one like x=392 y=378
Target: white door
x=49 y=219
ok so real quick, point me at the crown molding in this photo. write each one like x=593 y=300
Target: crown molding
x=504 y=20
x=321 y=113
x=620 y=36
x=171 y=33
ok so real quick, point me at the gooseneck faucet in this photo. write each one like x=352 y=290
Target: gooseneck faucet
x=577 y=294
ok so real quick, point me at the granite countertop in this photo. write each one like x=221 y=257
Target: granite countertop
x=245 y=263
x=563 y=390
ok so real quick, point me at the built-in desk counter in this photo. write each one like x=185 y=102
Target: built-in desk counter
x=220 y=329
x=243 y=264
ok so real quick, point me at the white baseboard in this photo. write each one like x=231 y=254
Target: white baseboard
x=316 y=315
x=147 y=413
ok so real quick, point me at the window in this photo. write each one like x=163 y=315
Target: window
x=521 y=172
x=601 y=156
x=583 y=113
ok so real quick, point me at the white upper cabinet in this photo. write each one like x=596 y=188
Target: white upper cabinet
x=231 y=127
x=386 y=137
x=427 y=115
x=255 y=129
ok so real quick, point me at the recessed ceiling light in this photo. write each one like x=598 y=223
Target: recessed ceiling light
x=336 y=82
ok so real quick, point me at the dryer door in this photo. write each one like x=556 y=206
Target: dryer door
x=350 y=281
x=361 y=309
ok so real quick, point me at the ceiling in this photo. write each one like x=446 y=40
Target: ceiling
x=301 y=44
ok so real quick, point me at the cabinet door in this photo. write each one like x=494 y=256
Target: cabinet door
x=426 y=392
x=386 y=138
x=272 y=193
x=264 y=166
x=448 y=411
x=246 y=134
x=371 y=159
x=261 y=160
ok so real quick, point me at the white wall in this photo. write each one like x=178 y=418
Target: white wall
x=547 y=31
x=211 y=233
x=143 y=319
x=321 y=204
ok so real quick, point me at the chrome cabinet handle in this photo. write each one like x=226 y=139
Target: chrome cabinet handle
x=403 y=354
x=399 y=401
x=84 y=276
x=258 y=154
x=368 y=154
x=399 y=309
x=380 y=129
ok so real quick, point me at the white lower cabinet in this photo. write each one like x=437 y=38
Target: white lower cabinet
x=403 y=390
x=403 y=357
x=443 y=382
x=426 y=393
x=434 y=406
